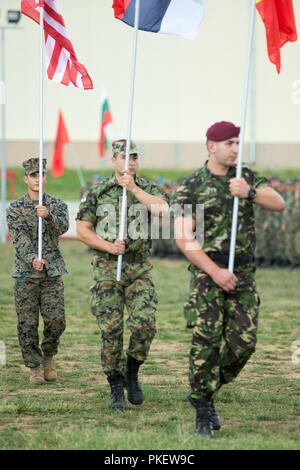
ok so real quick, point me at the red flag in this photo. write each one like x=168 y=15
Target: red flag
x=279 y=19
x=62 y=138
x=61 y=61
x=120 y=6
x=106 y=120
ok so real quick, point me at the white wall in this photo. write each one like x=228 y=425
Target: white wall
x=182 y=86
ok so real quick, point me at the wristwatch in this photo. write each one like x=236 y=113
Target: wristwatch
x=251 y=194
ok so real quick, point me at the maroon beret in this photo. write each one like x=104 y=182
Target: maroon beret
x=222 y=131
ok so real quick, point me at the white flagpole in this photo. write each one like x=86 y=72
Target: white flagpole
x=3 y=138
x=129 y=129
x=242 y=136
x=252 y=150
x=41 y=127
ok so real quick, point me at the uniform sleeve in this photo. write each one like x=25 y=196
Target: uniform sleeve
x=259 y=181
x=88 y=208
x=58 y=218
x=20 y=238
x=155 y=190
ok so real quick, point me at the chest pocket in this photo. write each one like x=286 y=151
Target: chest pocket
x=30 y=219
x=211 y=199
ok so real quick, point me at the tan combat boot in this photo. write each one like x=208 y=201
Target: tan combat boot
x=49 y=369
x=36 y=376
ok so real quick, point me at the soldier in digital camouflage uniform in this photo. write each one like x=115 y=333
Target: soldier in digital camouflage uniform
x=222 y=307
x=38 y=283
x=98 y=227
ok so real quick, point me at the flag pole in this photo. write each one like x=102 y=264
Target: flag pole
x=129 y=130
x=252 y=150
x=242 y=135
x=41 y=129
x=3 y=137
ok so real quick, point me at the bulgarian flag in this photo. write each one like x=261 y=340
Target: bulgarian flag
x=106 y=120
x=279 y=19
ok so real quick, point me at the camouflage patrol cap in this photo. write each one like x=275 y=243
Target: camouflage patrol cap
x=32 y=166
x=119 y=148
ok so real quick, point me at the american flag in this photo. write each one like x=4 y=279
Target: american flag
x=61 y=61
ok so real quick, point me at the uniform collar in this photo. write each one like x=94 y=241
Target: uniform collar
x=28 y=200
x=231 y=172
x=113 y=180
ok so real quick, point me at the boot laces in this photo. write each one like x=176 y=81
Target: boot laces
x=203 y=415
x=117 y=388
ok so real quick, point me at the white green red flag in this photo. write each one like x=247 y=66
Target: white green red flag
x=105 y=125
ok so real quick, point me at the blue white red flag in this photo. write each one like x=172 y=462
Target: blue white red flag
x=178 y=17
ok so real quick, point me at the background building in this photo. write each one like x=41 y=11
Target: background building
x=182 y=87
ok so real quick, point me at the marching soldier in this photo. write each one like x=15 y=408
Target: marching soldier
x=136 y=290
x=222 y=306
x=39 y=286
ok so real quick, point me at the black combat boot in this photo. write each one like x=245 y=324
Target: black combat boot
x=134 y=392
x=204 y=426
x=215 y=418
x=117 y=399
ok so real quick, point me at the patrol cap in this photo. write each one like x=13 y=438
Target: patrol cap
x=32 y=165
x=119 y=148
x=222 y=130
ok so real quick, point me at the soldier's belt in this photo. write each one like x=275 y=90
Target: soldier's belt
x=223 y=258
x=135 y=257
x=129 y=257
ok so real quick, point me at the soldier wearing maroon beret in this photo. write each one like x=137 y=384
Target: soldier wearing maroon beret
x=222 y=307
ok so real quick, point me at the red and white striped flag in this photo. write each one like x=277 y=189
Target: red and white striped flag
x=61 y=61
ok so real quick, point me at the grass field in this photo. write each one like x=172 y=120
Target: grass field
x=261 y=410
x=67 y=187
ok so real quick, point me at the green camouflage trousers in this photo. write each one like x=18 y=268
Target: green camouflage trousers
x=224 y=330
x=44 y=295
x=136 y=291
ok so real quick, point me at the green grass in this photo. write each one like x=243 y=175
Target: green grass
x=67 y=187
x=260 y=410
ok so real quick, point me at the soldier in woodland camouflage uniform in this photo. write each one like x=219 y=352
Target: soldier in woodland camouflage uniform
x=260 y=232
x=274 y=250
x=38 y=285
x=296 y=221
x=222 y=306
x=98 y=227
x=292 y=224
